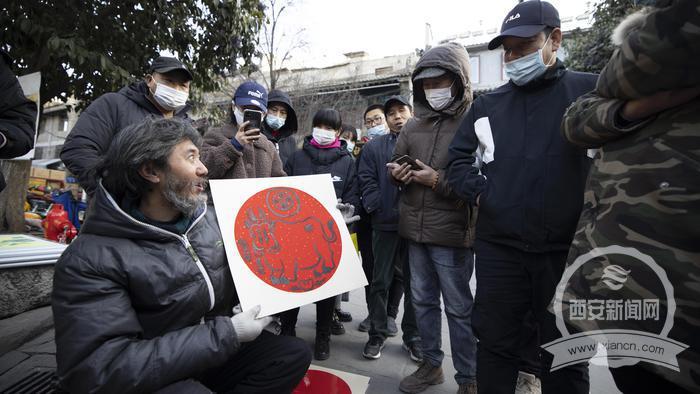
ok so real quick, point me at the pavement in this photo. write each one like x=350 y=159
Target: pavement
x=37 y=355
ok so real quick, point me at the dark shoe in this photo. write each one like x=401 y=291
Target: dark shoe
x=414 y=350
x=391 y=328
x=467 y=388
x=373 y=348
x=336 y=326
x=426 y=375
x=364 y=326
x=322 y=347
x=343 y=316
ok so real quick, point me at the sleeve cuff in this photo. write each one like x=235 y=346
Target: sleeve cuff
x=621 y=124
x=237 y=144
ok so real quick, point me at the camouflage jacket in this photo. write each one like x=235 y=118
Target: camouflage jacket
x=643 y=191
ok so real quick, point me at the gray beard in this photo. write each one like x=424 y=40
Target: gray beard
x=176 y=193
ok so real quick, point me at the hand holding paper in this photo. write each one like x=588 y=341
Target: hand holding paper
x=248 y=326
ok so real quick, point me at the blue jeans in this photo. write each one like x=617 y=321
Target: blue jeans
x=437 y=270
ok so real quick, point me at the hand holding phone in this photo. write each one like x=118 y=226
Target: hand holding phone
x=406 y=159
x=254 y=119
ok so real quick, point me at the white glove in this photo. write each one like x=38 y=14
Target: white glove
x=248 y=326
x=347 y=210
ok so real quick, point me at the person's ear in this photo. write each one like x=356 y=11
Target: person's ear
x=150 y=173
x=150 y=82
x=556 y=38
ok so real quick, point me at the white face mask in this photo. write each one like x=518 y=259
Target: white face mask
x=350 y=145
x=238 y=114
x=322 y=136
x=439 y=98
x=169 y=98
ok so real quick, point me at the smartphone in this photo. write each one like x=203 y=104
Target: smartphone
x=254 y=117
x=407 y=159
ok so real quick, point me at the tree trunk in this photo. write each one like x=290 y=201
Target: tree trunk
x=12 y=199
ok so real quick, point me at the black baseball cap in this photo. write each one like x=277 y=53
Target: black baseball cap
x=164 y=64
x=526 y=20
x=395 y=99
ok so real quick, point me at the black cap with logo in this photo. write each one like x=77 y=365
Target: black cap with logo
x=164 y=64
x=526 y=20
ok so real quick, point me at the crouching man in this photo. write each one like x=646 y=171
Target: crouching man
x=143 y=299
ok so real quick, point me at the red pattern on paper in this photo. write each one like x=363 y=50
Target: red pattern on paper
x=288 y=239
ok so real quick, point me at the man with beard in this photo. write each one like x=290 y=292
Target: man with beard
x=143 y=299
x=163 y=93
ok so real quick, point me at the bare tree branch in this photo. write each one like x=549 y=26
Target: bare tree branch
x=273 y=57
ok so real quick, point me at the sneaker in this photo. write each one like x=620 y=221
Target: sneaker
x=322 y=347
x=426 y=375
x=373 y=348
x=343 y=316
x=528 y=384
x=467 y=388
x=414 y=350
x=364 y=326
x=391 y=328
x=337 y=327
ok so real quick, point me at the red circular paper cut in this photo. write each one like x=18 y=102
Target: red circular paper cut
x=288 y=239
x=321 y=382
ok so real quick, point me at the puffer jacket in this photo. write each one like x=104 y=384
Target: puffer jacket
x=337 y=162
x=17 y=115
x=425 y=215
x=99 y=123
x=643 y=191
x=137 y=307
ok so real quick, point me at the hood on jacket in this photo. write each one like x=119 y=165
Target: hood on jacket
x=325 y=156
x=138 y=92
x=106 y=217
x=290 y=125
x=453 y=58
x=630 y=23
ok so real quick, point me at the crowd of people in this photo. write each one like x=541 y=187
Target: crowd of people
x=445 y=184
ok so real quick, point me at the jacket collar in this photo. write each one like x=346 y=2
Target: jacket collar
x=549 y=77
x=138 y=93
x=324 y=156
x=106 y=217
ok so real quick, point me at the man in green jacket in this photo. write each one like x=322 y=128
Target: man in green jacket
x=637 y=238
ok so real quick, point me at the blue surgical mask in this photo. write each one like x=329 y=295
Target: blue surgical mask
x=275 y=122
x=376 y=131
x=527 y=68
x=350 y=145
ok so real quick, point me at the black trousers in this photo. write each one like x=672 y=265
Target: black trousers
x=269 y=364
x=324 y=316
x=511 y=284
x=637 y=379
x=364 y=243
x=391 y=270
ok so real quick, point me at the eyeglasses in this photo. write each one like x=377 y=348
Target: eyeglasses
x=374 y=121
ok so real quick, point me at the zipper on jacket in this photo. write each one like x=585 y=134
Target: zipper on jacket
x=183 y=239
x=199 y=264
